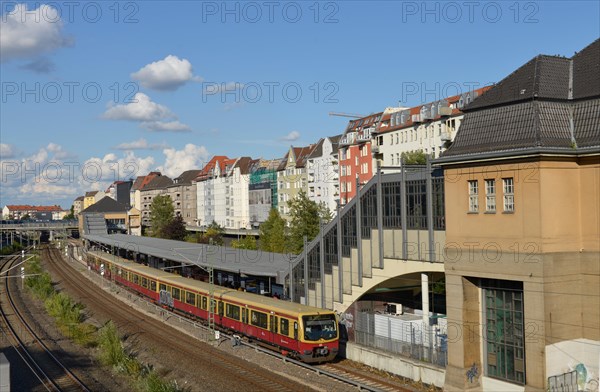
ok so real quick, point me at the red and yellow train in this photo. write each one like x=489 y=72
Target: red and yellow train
x=303 y=332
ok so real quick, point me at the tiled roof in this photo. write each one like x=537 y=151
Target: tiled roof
x=106 y=204
x=137 y=183
x=384 y=125
x=91 y=193
x=79 y=198
x=541 y=77
x=158 y=182
x=187 y=177
x=586 y=68
x=541 y=114
x=300 y=153
x=26 y=207
x=244 y=163
x=207 y=170
x=317 y=151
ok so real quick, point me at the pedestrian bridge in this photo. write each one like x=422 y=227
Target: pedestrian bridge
x=391 y=235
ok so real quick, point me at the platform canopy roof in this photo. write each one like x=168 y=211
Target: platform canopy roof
x=241 y=261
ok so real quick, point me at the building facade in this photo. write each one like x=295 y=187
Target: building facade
x=291 y=177
x=522 y=257
x=429 y=128
x=77 y=205
x=183 y=195
x=205 y=189
x=355 y=155
x=158 y=185
x=322 y=167
x=262 y=190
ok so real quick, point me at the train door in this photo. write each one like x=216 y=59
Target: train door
x=273 y=320
x=244 y=320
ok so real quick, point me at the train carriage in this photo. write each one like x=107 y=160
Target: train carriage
x=306 y=333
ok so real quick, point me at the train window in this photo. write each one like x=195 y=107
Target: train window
x=176 y=293
x=296 y=330
x=259 y=319
x=190 y=298
x=232 y=311
x=135 y=279
x=204 y=303
x=284 y=327
x=245 y=316
x=162 y=287
x=144 y=282
x=153 y=285
x=220 y=308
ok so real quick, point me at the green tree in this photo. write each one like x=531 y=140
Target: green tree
x=71 y=215
x=273 y=236
x=417 y=157
x=174 y=230
x=248 y=242
x=161 y=214
x=306 y=218
x=213 y=235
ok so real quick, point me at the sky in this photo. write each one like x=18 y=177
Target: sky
x=98 y=91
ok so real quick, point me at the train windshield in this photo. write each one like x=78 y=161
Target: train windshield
x=319 y=327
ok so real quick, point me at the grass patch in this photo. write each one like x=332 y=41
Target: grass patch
x=69 y=318
x=113 y=353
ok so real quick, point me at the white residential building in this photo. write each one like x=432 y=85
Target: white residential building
x=323 y=173
x=205 y=189
x=430 y=128
x=232 y=209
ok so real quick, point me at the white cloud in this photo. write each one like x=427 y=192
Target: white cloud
x=48 y=189
x=141 y=109
x=178 y=161
x=140 y=144
x=101 y=172
x=168 y=74
x=28 y=33
x=171 y=126
x=290 y=137
x=6 y=151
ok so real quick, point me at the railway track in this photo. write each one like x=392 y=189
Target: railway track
x=44 y=365
x=134 y=322
x=359 y=379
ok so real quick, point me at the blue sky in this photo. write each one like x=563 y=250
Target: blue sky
x=83 y=61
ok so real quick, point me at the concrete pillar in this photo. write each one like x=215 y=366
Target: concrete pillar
x=425 y=305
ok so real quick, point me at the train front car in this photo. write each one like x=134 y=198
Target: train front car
x=318 y=340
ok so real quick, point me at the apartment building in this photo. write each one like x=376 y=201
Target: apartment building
x=205 y=189
x=231 y=194
x=355 y=155
x=291 y=177
x=158 y=185
x=183 y=195
x=429 y=128
x=262 y=190
x=322 y=168
x=136 y=189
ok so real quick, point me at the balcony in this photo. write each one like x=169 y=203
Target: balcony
x=446 y=137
